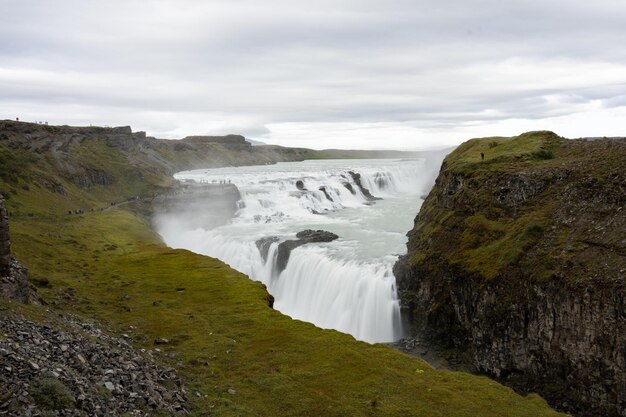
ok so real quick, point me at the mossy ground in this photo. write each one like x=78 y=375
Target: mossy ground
x=487 y=237
x=222 y=333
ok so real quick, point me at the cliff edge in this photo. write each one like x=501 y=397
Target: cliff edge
x=518 y=259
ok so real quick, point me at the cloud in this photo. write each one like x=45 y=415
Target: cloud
x=409 y=73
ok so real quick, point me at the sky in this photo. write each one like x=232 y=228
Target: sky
x=357 y=74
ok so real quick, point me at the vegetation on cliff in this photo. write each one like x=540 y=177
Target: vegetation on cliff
x=239 y=355
x=518 y=257
x=520 y=198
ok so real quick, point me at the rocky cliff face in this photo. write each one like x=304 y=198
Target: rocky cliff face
x=13 y=276
x=234 y=142
x=519 y=260
x=61 y=144
x=5 y=243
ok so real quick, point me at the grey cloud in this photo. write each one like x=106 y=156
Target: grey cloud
x=261 y=63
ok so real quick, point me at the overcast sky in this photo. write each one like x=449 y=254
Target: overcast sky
x=343 y=74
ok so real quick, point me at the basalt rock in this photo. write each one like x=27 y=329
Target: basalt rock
x=264 y=245
x=13 y=276
x=88 y=177
x=5 y=243
x=300 y=185
x=349 y=187
x=236 y=142
x=325 y=191
x=304 y=237
x=356 y=177
x=312 y=236
x=75 y=369
x=519 y=261
x=14 y=285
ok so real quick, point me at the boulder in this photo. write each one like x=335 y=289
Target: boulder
x=304 y=237
x=311 y=236
x=300 y=185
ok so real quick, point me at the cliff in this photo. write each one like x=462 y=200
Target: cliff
x=230 y=141
x=13 y=276
x=519 y=260
x=158 y=155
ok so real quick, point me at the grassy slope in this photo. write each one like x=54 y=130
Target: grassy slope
x=221 y=329
x=487 y=239
x=505 y=155
x=563 y=229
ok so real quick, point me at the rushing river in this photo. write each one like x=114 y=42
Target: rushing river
x=346 y=284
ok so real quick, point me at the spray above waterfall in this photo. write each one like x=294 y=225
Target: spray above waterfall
x=346 y=283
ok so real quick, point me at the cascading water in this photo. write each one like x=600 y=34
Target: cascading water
x=346 y=284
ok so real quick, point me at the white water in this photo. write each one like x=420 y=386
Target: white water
x=346 y=284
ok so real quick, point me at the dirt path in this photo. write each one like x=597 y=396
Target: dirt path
x=122 y=203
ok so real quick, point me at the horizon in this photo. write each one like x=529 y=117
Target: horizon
x=353 y=75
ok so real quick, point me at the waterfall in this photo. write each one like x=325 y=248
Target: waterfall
x=347 y=284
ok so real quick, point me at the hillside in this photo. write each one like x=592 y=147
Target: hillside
x=235 y=355
x=519 y=260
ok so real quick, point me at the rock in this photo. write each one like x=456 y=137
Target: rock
x=311 y=236
x=270 y=300
x=264 y=245
x=356 y=177
x=349 y=187
x=232 y=391
x=5 y=243
x=13 y=275
x=89 y=177
x=325 y=191
x=161 y=341
x=233 y=142
x=61 y=378
x=300 y=185
x=304 y=237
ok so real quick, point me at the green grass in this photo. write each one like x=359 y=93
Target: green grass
x=500 y=150
x=487 y=238
x=223 y=334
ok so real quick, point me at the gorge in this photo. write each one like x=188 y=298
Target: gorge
x=345 y=284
